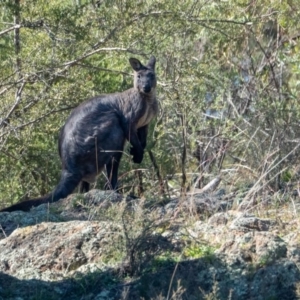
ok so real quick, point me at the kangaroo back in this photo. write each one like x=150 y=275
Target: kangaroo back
x=95 y=133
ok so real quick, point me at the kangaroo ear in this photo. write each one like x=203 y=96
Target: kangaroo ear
x=151 y=63
x=136 y=64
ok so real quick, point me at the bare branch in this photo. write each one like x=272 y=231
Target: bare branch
x=17 y=26
x=37 y=119
x=18 y=100
x=72 y=62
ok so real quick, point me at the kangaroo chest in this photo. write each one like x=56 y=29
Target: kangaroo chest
x=149 y=113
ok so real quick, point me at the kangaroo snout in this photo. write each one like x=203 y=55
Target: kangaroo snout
x=146 y=89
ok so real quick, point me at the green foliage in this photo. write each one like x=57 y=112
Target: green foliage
x=164 y=260
x=228 y=84
x=200 y=251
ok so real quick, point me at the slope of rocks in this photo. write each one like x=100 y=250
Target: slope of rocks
x=101 y=246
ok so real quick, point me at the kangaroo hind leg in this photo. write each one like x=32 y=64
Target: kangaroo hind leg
x=112 y=172
x=84 y=186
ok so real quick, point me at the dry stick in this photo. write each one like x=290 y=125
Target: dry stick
x=171 y=282
x=162 y=185
x=210 y=187
x=269 y=62
x=5 y=90
x=18 y=100
x=252 y=137
x=17 y=26
x=183 y=158
x=84 y=56
x=34 y=121
x=204 y=151
x=17 y=45
x=156 y=168
x=255 y=188
x=295 y=209
x=17 y=36
x=1 y=228
x=5 y=121
x=265 y=162
x=254 y=206
x=240 y=116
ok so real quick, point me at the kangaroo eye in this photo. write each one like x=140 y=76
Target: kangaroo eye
x=139 y=76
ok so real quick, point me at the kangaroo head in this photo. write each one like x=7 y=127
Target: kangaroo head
x=144 y=76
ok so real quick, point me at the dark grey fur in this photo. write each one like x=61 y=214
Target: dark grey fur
x=94 y=135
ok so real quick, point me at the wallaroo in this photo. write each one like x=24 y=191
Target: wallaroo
x=95 y=133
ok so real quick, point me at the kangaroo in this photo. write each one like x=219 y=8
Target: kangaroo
x=94 y=135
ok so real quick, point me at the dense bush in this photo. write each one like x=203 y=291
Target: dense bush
x=228 y=87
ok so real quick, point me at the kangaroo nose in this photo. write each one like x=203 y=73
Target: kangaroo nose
x=147 y=88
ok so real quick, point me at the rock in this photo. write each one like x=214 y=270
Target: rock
x=51 y=251
x=102 y=246
x=250 y=222
x=11 y=221
x=218 y=219
x=260 y=248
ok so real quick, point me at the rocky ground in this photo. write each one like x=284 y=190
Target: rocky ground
x=101 y=246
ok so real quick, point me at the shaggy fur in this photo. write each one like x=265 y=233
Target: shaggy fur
x=94 y=135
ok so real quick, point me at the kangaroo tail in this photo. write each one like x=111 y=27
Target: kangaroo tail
x=65 y=187
x=68 y=182
x=28 y=204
